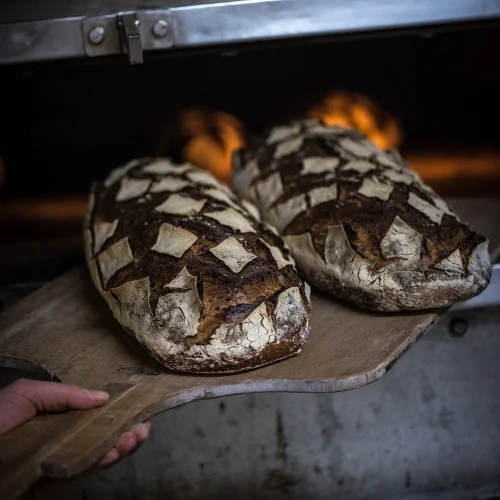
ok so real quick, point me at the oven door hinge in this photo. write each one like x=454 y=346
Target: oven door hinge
x=129 y=33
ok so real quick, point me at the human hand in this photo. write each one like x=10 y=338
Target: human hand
x=23 y=399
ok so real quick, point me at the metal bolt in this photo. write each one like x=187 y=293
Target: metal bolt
x=160 y=28
x=458 y=327
x=96 y=35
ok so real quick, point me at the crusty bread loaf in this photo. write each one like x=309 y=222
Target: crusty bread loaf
x=194 y=276
x=359 y=222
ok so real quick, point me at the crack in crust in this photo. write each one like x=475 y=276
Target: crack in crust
x=380 y=238
x=190 y=272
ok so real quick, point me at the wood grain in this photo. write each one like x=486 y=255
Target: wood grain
x=67 y=328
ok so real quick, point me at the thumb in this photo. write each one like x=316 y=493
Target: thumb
x=22 y=400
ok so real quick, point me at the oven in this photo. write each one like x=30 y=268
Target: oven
x=88 y=85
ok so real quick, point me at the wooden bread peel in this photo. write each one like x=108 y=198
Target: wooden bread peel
x=66 y=328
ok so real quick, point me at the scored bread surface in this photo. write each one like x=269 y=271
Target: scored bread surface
x=193 y=275
x=359 y=222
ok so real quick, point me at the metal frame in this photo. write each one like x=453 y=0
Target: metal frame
x=229 y=23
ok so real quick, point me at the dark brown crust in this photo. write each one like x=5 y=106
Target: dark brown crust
x=366 y=220
x=255 y=282
x=227 y=297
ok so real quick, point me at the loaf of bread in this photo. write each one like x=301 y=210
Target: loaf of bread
x=359 y=222
x=191 y=273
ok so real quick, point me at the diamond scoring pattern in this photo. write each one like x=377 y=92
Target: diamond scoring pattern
x=355 y=159
x=233 y=254
x=174 y=240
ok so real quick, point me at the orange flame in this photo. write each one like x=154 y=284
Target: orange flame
x=360 y=113
x=213 y=137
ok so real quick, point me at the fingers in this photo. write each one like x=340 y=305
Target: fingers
x=50 y=396
x=127 y=443
x=141 y=431
x=111 y=457
x=20 y=401
x=130 y=440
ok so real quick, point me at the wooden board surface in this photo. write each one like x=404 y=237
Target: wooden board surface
x=67 y=328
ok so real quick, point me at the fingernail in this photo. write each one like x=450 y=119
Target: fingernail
x=142 y=433
x=101 y=396
x=110 y=457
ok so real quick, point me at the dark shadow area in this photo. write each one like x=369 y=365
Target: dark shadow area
x=66 y=124
x=12 y=369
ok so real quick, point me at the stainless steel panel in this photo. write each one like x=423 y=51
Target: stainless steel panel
x=261 y=20
x=41 y=40
x=240 y=21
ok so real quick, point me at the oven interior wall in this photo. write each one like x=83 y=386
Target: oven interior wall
x=65 y=124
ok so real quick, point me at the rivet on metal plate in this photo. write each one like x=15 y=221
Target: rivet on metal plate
x=160 y=28
x=97 y=35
